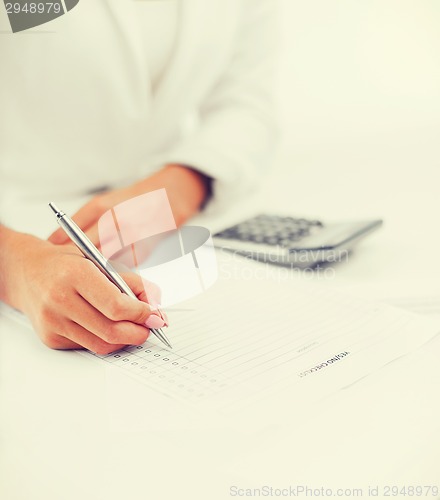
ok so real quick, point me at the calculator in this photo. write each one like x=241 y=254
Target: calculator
x=293 y=241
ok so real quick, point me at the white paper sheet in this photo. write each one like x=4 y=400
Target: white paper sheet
x=265 y=345
x=246 y=342
x=419 y=305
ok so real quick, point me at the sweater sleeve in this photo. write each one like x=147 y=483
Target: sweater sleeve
x=237 y=134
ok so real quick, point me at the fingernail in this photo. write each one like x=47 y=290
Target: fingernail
x=155 y=322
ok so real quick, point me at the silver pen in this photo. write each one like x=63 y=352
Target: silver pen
x=89 y=251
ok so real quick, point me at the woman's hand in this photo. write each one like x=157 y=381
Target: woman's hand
x=70 y=303
x=186 y=190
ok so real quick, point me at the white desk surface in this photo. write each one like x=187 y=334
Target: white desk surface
x=68 y=433
x=360 y=101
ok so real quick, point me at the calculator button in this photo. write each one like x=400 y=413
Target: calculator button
x=272 y=240
x=272 y=230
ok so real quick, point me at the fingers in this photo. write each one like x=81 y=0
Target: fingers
x=99 y=317
x=76 y=334
x=115 y=305
x=59 y=342
x=121 y=332
x=86 y=327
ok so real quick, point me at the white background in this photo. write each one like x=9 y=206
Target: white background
x=360 y=97
x=359 y=100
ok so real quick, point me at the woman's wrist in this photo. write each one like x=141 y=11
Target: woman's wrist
x=188 y=190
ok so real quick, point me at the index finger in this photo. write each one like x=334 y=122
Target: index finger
x=106 y=297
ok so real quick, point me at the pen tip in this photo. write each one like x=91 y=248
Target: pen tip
x=162 y=337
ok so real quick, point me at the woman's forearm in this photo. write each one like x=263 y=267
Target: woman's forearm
x=188 y=190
